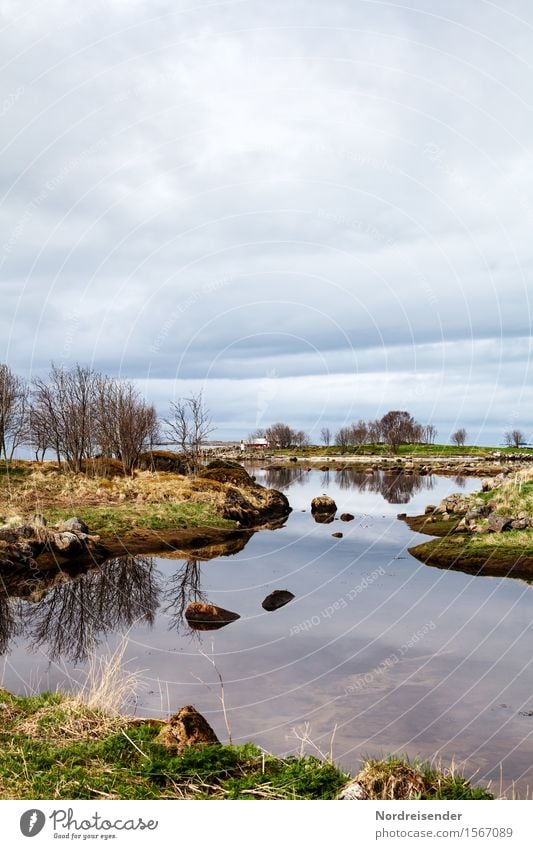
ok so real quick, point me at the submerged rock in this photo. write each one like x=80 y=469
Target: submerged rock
x=201 y=616
x=277 y=599
x=186 y=728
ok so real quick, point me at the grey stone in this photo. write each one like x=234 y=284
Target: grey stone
x=497 y=524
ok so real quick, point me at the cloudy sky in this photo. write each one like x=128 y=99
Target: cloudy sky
x=313 y=211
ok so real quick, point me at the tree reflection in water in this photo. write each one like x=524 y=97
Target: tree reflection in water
x=396 y=488
x=285 y=476
x=72 y=614
x=9 y=619
x=71 y=617
x=182 y=588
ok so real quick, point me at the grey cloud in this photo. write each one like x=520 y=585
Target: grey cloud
x=331 y=192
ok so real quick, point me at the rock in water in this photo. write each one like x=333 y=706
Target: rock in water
x=208 y=617
x=323 y=504
x=323 y=509
x=277 y=599
x=338 y=535
x=186 y=728
x=347 y=517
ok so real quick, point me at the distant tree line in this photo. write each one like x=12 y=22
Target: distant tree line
x=395 y=428
x=280 y=435
x=80 y=415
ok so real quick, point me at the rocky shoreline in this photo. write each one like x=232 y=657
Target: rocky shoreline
x=33 y=550
x=464 y=466
x=489 y=532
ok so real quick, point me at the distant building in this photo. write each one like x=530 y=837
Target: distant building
x=256 y=443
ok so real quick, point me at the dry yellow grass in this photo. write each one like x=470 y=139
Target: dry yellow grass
x=44 y=487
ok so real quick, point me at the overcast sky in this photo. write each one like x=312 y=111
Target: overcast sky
x=314 y=211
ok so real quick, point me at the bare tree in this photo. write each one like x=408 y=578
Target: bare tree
x=63 y=408
x=300 y=438
x=280 y=435
x=429 y=434
x=374 y=431
x=343 y=438
x=514 y=438
x=126 y=426
x=398 y=426
x=325 y=435
x=13 y=412
x=360 y=432
x=459 y=437
x=188 y=427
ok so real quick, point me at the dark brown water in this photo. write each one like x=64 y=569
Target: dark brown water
x=376 y=653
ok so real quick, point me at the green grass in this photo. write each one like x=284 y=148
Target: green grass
x=50 y=764
x=403 y=450
x=54 y=747
x=119 y=519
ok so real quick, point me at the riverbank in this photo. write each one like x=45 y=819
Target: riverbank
x=489 y=532
x=54 y=746
x=409 y=460
x=204 y=515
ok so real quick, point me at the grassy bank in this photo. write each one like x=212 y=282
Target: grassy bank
x=507 y=554
x=54 y=746
x=404 y=450
x=110 y=506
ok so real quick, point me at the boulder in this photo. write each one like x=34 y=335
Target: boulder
x=347 y=517
x=74 y=525
x=185 y=729
x=323 y=504
x=430 y=508
x=497 y=523
x=201 y=616
x=277 y=599
x=66 y=544
x=256 y=506
x=338 y=535
x=354 y=791
x=224 y=471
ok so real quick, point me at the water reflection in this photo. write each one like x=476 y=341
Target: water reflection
x=395 y=487
x=66 y=616
x=283 y=477
x=73 y=615
x=183 y=588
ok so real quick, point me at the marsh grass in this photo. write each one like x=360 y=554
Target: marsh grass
x=111 y=506
x=401 y=778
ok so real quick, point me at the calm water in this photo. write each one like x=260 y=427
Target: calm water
x=376 y=653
